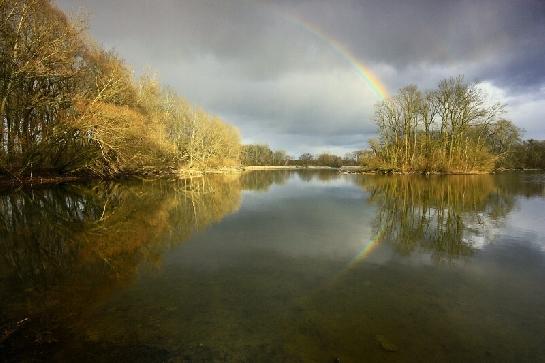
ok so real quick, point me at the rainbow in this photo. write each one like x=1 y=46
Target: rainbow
x=371 y=80
x=363 y=72
x=368 y=247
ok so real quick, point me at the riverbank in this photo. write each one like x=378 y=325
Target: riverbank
x=366 y=171
x=7 y=182
x=397 y=172
x=287 y=167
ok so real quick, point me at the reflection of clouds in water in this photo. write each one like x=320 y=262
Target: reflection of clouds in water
x=482 y=230
x=529 y=222
x=295 y=221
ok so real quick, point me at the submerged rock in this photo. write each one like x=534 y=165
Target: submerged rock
x=385 y=344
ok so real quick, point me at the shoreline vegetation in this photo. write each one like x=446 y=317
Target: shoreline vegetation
x=453 y=129
x=47 y=180
x=71 y=110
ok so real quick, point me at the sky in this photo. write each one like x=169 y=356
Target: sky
x=288 y=73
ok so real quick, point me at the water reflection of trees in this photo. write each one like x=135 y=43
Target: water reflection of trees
x=63 y=248
x=523 y=184
x=262 y=180
x=259 y=180
x=322 y=175
x=446 y=216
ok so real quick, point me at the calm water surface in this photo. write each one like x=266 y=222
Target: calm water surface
x=276 y=267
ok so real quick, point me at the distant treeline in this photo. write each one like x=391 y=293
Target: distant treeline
x=328 y=159
x=69 y=106
x=260 y=154
x=449 y=129
x=529 y=154
x=263 y=155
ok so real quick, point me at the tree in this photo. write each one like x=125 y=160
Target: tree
x=502 y=138
x=446 y=129
x=306 y=159
x=39 y=67
x=280 y=157
x=352 y=158
x=530 y=154
x=69 y=106
x=257 y=154
x=326 y=159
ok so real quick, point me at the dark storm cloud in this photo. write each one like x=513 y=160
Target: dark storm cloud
x=254 y=64
x=504 y=35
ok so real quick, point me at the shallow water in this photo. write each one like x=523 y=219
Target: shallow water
x=279 y=266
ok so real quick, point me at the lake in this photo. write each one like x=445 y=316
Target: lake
x=276 y=266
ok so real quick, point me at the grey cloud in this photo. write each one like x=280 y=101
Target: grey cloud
x=253 y=63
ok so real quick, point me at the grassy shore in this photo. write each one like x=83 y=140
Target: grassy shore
x=364 y=170
x=367 y=171
x=288 y=167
